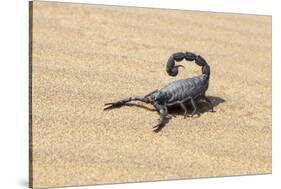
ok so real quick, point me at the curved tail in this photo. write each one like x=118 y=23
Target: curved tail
x=172 y=69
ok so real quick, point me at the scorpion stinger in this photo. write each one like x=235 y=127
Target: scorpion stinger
x=176 y=93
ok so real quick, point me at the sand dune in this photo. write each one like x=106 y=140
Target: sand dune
x=86 y=55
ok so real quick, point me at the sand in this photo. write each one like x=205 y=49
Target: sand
x=86 y=55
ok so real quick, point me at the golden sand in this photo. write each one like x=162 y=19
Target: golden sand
x=86 y=55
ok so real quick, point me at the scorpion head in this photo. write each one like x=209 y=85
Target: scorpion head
x=158 y=97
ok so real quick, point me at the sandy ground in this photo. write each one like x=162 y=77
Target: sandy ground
x=86 y=55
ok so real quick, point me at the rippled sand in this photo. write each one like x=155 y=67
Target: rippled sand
x=86 y=55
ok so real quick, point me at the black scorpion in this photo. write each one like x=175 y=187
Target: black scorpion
x=177 y=93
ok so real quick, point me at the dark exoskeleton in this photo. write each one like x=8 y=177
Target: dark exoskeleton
x=177 y=93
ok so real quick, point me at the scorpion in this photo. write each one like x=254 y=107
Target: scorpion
x=177 y=93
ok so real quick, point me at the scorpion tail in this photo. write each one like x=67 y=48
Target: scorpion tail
x=172 y=69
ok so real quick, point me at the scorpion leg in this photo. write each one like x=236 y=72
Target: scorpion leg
x=124 y=101
x=194 y=108
x=158 y=108
x=163 y=113
x=182 y=105
x=184 y=109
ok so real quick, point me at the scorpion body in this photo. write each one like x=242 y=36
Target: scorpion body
x=177 y=93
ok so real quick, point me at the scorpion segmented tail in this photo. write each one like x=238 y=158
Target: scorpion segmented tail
x=172 y=69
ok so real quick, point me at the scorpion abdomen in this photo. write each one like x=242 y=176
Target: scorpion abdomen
x=186 y=88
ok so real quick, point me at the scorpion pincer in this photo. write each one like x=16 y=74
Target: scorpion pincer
x=176 y=93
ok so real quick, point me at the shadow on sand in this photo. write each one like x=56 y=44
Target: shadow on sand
x=175 y=111
x=202 y=108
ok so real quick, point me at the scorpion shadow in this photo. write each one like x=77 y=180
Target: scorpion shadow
x=176 y=111
x=215 y=102
x=202 y=108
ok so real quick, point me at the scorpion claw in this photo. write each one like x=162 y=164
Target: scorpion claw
x=112 y=105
